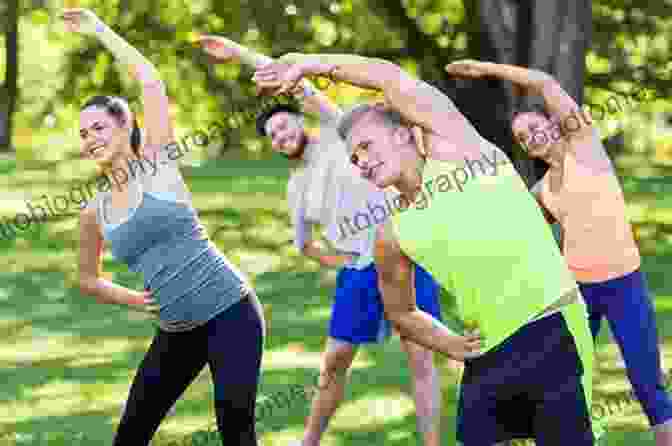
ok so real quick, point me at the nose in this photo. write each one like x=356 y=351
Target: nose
x=285 y=137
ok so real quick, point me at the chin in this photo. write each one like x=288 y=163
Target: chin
x=383 y=182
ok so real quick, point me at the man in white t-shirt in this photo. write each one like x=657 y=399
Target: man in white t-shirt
x=325 y=189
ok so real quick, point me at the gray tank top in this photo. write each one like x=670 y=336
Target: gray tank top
x=162 y=238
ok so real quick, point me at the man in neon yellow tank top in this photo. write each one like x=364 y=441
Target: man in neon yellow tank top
x=528 y=368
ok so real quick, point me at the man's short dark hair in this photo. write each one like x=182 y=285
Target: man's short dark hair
x=265 y=115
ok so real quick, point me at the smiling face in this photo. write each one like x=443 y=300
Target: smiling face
x=286 y=133
x=380 y=150
x=103 y=138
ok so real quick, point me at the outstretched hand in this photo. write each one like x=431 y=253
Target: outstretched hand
x=83 y=21
x=467 y=68
x=279 y=77
x=217 y=48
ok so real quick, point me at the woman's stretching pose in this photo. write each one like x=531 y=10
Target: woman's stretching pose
x=582 y=192
x=208 y=314
x=326 y=190
x=528 y=369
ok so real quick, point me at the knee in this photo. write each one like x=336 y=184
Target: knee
x=335 y=366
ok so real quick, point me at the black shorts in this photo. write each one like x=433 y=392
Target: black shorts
x=528 y=387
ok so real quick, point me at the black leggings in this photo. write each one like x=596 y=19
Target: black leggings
x=231 y=344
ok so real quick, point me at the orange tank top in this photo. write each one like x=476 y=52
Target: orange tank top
x=598 y=242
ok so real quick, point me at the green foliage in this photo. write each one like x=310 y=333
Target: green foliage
x=630 y=44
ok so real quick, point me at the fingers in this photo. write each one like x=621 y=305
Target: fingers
x=265 y=75
x=209 y=42
x=71 y=14
x=474 y=345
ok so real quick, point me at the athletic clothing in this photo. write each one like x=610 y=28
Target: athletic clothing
x=162 y=238
x=357 y=315
x=510 y=281
x=326 y=189
x=603 y=255
x=627 y=307
x=598 y=241
x=525 y=271
x=204 y=302
x=174 y=360
x=530 y=386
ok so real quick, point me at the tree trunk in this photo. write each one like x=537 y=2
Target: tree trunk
x=550 y=35
x=9 y=90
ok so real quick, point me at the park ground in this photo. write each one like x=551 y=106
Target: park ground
x=66 y=362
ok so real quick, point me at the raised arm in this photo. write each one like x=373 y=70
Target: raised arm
x=157 y=124
x=419 y=103
x=395 y=280
x=224 y=50
x=557 y=100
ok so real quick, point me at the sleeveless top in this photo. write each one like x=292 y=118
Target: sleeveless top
x=162 y=238
x=482 y=236
x=598 y=241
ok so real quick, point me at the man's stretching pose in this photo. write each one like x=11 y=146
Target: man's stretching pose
x=582 y=192
x=481 y=236
x=324 y=189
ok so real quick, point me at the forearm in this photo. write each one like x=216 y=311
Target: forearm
x=127 y=54
x=106 y=292
x=246 y=55
x=529 y=79
x=414 y=324
x=361 y=71
x=314 y=251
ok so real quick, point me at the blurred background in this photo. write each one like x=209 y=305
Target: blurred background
x=66 y=362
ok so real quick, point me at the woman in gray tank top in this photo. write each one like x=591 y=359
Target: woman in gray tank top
x=202 y=301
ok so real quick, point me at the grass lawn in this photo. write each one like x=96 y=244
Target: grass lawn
x=66 y=362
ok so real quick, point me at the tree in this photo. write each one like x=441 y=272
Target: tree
x=9 y=90
x=552 y=36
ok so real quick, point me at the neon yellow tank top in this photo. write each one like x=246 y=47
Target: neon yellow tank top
x=481 y=235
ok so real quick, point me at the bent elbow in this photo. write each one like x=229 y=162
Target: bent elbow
x=394 y=77
x=547 y=82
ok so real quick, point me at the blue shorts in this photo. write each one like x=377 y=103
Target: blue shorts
x=357 y=315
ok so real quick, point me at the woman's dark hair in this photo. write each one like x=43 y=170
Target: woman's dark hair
x=118 y=108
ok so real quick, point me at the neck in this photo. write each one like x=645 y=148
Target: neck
x=410 y=183
x=302 y=148
x=116 y=166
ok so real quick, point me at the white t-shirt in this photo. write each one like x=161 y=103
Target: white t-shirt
x=327 y=189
